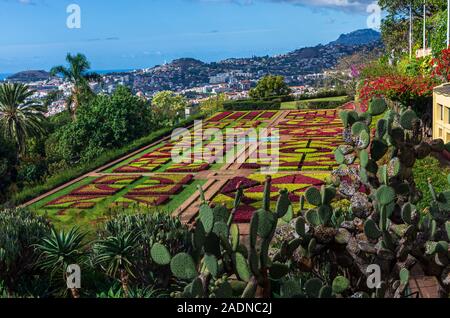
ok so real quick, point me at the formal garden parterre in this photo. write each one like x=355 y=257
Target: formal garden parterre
x=152 y=179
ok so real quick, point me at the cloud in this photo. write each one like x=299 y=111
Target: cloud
x=343 y=5
x=23 y=2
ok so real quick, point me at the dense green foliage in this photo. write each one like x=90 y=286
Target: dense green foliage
x=8 y=172
x=326 y=104
x=269 y=87
x=19 y=231
x=168 y=108
x=20 y=116
x=34 y=257
x=105 y=122
x=249 y=104
x=430 y=168
x=395 y=25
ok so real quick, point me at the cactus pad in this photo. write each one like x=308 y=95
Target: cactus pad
x=283 y=204
x=377 y=106
x=358 y=127
x=313 y=196
x=407 y=119
x=340 y=285
x=211 y=264
x=207 y=217
x=378 y=149
x=312 y=217
x=266 y=223
x=183 y=266
x=160 y=254
x=313 y=287
x=241 y=267
x=300 y=226
x=385 y=195
x=371 y=230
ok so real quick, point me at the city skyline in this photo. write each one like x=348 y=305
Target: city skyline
x=187 y=28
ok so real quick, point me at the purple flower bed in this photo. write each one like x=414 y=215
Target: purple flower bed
x=220 y=116
x=244 y=214
x=232 y=185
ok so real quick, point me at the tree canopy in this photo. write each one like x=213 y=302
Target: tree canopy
x=270 y=86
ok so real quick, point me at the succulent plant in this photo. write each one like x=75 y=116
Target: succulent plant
x=219 y=254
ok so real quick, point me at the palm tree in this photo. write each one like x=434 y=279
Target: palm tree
x=60 y=250
x=117 y=255
x=77 y=74
x=20 y=116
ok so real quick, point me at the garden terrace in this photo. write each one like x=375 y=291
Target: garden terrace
x=151 y=178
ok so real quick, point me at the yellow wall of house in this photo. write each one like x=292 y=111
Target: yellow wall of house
x=441 y=117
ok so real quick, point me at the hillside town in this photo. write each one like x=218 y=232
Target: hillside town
x=304 y=70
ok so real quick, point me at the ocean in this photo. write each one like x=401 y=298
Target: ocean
x=3 y=76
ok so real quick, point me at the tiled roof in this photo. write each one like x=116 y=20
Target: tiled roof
x=443 y=89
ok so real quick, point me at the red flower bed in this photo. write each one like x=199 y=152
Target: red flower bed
x=220 y=116
x=173 y=179
x=267 y=115
x=130 y=169
x=156 y=190
x=251 y=115
x=189 y=168
x=97 y=189
x=231 y=185
x=236 y=115
x=116 y=179
x=244 y=214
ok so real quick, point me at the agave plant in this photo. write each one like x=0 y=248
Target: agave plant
x=116 y=255
x=61 y=249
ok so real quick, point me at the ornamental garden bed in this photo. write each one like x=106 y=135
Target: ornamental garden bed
x=308 y=140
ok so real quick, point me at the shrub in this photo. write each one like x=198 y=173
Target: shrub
x=250 y=104
x=20 y=230
x=149 y=228
x=430 y=168
x=320 y=104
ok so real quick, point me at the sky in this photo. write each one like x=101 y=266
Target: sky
x=131 y=34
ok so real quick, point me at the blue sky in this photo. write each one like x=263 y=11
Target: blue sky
x=126 y=34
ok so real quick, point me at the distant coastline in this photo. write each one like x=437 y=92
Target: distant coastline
x=3 y=76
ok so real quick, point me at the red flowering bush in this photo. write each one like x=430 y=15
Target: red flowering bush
x=409 y=91
x=441 y=65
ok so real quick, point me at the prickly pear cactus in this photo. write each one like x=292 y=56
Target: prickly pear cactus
x=219 y=253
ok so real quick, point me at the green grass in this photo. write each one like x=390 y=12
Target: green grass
x=295 y=104
x=430 y=168
x=90 y=219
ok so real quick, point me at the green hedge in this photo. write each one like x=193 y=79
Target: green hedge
x=320 y=104
x=249 y=104
x=28 y=193
x=323 y=94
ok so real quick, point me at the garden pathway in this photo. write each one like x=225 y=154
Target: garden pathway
x=217 y=180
